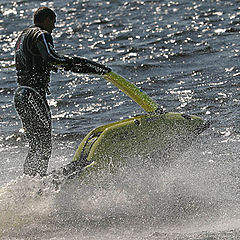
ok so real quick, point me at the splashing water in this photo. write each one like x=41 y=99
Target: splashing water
x=197 y=192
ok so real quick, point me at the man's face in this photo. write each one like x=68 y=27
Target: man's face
x=49 y=24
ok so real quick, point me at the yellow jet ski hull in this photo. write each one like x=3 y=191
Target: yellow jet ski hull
x=154 y=136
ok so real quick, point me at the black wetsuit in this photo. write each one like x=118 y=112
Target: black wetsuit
x=34 y=58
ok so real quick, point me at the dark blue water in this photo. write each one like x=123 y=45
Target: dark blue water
x=185 y=55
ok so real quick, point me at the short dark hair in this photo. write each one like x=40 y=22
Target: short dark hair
x=42 y=13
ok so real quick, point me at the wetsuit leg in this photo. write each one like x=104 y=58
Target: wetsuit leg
x=35 y=115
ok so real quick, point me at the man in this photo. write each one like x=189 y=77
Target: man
x=35 y=57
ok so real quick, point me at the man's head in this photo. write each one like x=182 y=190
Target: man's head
x=45 y=17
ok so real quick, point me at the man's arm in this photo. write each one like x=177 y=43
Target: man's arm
x=74 y=64
x=47 y=51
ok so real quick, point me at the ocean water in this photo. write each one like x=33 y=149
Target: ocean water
x=185 y=55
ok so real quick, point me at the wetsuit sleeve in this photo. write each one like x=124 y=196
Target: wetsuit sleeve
x=75 y=64
x=46 y=48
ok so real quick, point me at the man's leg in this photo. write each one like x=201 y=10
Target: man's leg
x=36 y=121
x=40 y=147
